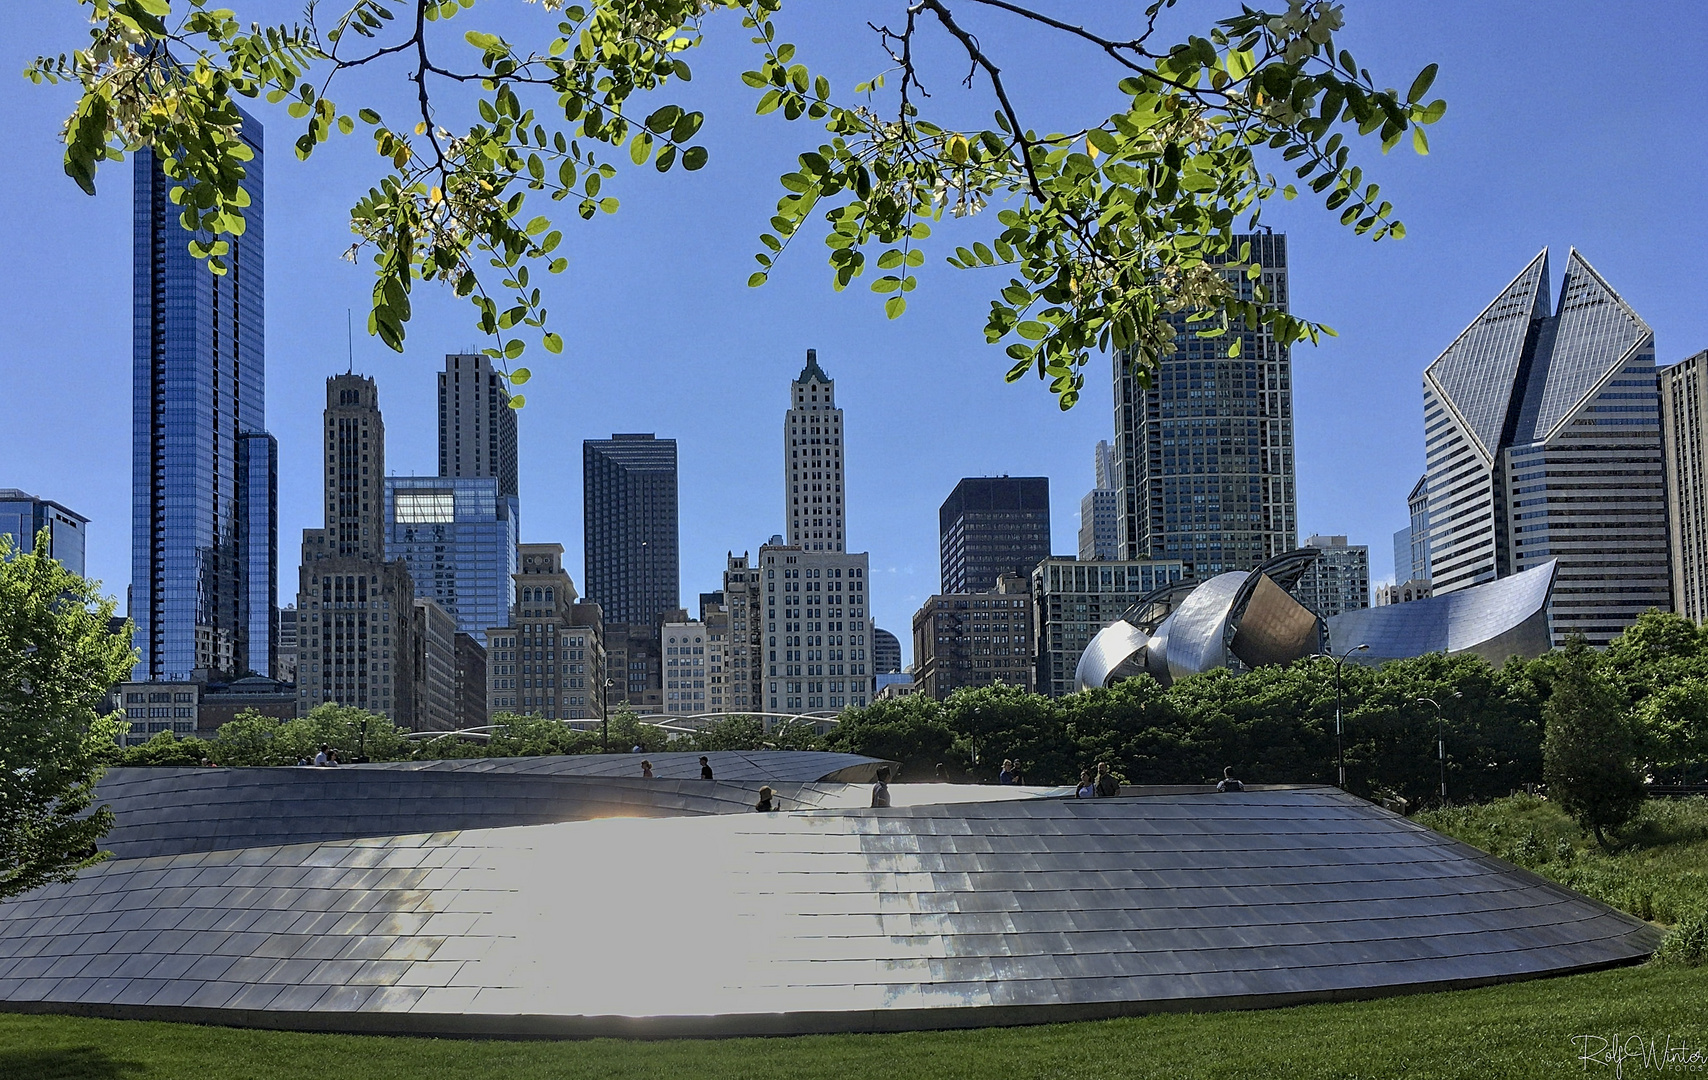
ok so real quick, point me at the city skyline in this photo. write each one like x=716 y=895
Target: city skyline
x=1474 y=210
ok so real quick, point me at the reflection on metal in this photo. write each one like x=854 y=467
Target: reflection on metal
x=1501 y=619
x=959 y=905
x=1249 y=616
x=1275 y=628
x=1186 y=628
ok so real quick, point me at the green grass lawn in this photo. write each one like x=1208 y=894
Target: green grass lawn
x=1518 y=1030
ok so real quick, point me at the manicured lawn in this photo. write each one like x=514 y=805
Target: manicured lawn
x=1519 y=1030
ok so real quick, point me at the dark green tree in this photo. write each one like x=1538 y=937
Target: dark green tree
x=57 y=662
x=999 y=722
x=1588 y=752
x=164 y=749
x=911 y=730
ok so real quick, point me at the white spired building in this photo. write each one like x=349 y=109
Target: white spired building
x=812 y=461
x=1542 y=432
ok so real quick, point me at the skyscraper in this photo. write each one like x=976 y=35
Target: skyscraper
x=993 y=525
x=477 y=426
x=355 y=609
x=203 y=502
x=23 y=516
x=1543 y=441
x=818 y=619
x=458 y=537
x=1339 y=580
x=1411 y=544
x=1100 y=510
x=1684 y=406
x=629 y=518
x=812 y=440
x=1205 y=448
x=548 y=657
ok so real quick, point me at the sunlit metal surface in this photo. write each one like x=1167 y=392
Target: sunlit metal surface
x=1274 y=628
x=1111 y=656
x=1252 y=617
x=1503 y=618
x=935 y=914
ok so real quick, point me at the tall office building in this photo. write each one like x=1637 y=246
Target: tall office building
x=355 y=609
x=1100 y=510
x=630 y=527
x=458 y=537
x=1411 y=544
x=548 y=658
x=477 y=426
x=204 y=551
x=993 y=525
x=1543 y=440
x=886 y=652
x=1206 y=448
x=287 y=672
x=812 y=462
x=975 y=639
x=1684 y=404
x=743 y=652
x=434 y=635
x=686 y=645
x=1339 y=580
x=23 y=517
x=818 y=652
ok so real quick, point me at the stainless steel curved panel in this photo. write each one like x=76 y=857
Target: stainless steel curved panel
x=1274 y=628
x=1116 y=651
x=1198 y=631
x=1507 y=617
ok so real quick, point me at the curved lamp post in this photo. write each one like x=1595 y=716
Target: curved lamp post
x=1339 y=745
x=1440 y=741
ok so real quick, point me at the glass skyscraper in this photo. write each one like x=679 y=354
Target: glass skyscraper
x=203 y=492
x=458 y=537
x=1205 y=447
x=23 y=516
x=1543 y=439
x=629 y=518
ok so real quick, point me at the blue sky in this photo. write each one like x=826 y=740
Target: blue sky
x=1573 y=124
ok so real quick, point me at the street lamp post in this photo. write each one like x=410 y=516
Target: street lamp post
x=1440 y=741
x=605 y=735
x=1339 y=743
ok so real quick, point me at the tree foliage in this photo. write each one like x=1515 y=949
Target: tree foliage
x=1589 y=753
x=1102 y=231
x=57 y=662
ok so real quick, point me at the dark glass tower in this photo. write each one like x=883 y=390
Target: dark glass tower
x=629 y=488
x=992 y=525
x=1205 y=450
x=477 y=426
x=203 y=499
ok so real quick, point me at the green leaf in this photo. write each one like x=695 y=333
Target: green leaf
x=608 y=205
x=894 y=306
x=1420 y=85
x=640 y=148
x=693 y=158
x=513 y=348
x=518 y=400
x=520 y=376
x=756 y=279
x=1419 y=141
x=1032 y=331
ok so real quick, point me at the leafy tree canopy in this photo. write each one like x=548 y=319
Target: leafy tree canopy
x=57 y=662
x=1589 y=753
x=1101 y=231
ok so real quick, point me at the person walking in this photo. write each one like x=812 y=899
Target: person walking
x=764 y=805
x=705 y=768
x=1228 y=783
x=881 y=789
x=1106 y=786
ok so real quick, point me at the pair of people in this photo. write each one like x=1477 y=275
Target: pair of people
x=1104 y=785
x=880 y=793
x=327 y=756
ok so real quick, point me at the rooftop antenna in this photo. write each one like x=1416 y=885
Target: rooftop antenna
x=350 y=339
